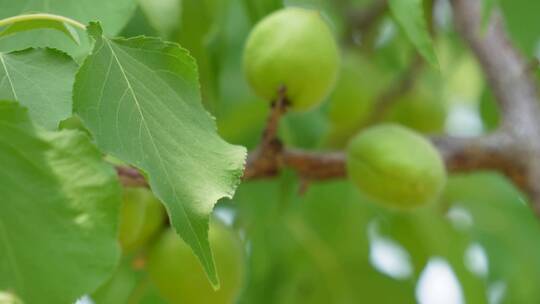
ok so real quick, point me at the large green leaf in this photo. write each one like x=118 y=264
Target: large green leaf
x=40 y=79
x=140 y=99
x=410 y=16
x=112 y=14
x=59 y=212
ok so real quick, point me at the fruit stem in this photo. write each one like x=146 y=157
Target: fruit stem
x=279 y=107
x=265 y=158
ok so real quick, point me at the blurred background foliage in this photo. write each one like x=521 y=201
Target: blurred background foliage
x=326 y=242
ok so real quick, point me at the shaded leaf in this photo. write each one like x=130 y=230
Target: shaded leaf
x=410 y=16
x=112 y=14
x=523 y=22
x=41 y=80
x=59 y=212
x=140 y=99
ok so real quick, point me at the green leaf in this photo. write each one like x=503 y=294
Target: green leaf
x=523 y=23
x=59 y=212
x=114 y=15
x=505 y=226
x=201 y=22
x=28 y=25
x=410 y=16
x=140 y=99
x=41 y=80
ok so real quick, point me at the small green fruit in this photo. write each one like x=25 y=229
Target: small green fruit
x=294 y=48
x=179 y=276
x=419 y=113
x=396 y=166
x=141 y=217
x=351 y=103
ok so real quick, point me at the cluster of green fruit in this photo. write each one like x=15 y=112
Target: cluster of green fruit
x=294 y=49
x=171 y=265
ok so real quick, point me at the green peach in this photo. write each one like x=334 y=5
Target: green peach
x=142 y=215
x=395 y=166
x=419 y=113
x=351 y=102
x=179 y=276
x=292 y=48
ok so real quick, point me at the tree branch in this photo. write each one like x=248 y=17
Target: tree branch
x=509 y=77
x=460 y=155
x=514 y=149
x=265 y=159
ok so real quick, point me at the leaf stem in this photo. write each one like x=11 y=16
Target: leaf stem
x=41 y=16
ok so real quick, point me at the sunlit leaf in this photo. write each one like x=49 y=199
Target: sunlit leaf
x=140 y=99
x=410 y=16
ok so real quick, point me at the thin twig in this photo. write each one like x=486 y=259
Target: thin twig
x=513 y=85
x=266 y=157
x=401 y=86
x=278 y=109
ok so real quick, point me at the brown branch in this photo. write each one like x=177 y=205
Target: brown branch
x=489 y=152
x=265 y=159
x=506 y=70
x=509 y=77
x=460 y=155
